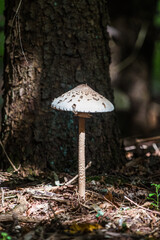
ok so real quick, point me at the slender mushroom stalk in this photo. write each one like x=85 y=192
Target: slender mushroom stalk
x=82 y=100
x=81 y=154
x=81 y=158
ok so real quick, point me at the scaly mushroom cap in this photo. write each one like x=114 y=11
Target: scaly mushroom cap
x=82 y=99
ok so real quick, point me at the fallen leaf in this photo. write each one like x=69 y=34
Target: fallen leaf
x=81 y=228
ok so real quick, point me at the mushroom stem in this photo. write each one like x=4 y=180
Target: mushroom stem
x=81 y=158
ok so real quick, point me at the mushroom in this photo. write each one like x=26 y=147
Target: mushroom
x=82 y=100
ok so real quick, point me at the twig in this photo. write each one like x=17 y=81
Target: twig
x=9 y=218
x=103 y=197
x=130 y=148
x=110 y=202
x=118 y=235
x=154 y=230
x=156 y=149
x=15 y=169
x=2 y=196
x=84 y=205
x=156 y=138
x=9 y=197
x=50 y=198
x=155 y=212
x=73 y=179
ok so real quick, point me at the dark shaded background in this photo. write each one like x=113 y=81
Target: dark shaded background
x=137 y=84
x=137 y=95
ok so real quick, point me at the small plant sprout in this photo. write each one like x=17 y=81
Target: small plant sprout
x=5 y=236
x=82 y=100
x=154 y=197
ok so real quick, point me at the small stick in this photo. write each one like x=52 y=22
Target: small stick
x=110 y=202
x=139 y=140
x=9 y=218
x=155 y=212
x=15 y=169
x=156 y=148
x=50 y=198
x=2 y=196
x=9 y=197
x=103 y=197
x=75 y=177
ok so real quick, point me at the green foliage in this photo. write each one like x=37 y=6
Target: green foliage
x=1 y=44
x=154 y=197
x=1 y=10
x=156 y=54
x=157 y=15
x=156 y=69
x=124 y=227
x=5 y=236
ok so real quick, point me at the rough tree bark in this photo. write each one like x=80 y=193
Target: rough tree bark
x=50 y=48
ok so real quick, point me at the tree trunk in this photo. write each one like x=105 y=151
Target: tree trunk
x=50 y=48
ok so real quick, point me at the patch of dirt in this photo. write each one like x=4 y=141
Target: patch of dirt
x=115 y=207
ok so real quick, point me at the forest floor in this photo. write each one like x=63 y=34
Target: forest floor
x=116 y=205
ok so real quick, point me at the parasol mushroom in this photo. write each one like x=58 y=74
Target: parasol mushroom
x=82 y=100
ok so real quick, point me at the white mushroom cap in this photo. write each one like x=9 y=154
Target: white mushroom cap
x=82 y=99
